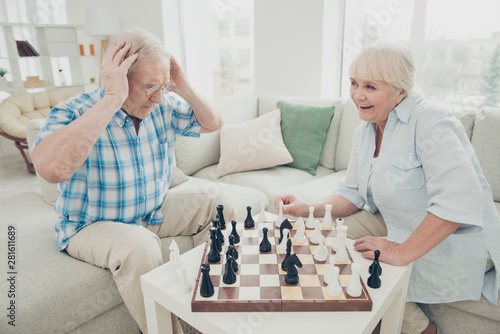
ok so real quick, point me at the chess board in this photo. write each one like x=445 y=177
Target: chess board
x=260 y=285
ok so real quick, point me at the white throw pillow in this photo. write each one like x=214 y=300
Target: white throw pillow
x=251 y=145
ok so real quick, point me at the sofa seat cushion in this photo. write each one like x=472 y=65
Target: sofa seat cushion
x=56 y=291
x=240 y=196
x=316 y=189
x=270 y=181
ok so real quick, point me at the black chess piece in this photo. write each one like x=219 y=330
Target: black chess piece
x=230 y=252
x=229 y=275
x=288 y=252
x=220 y=215
x=292 y=275
x=206 y=288
x=249 y=222
x=375 y=270
x=234 y=233
x=214 y=254
x=231 y=243
x=216 y=224
x=285 y=224
x=265 y=245
x=375 y=264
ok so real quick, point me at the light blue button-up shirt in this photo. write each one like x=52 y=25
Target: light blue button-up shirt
x=427 y=164
x=126 y=175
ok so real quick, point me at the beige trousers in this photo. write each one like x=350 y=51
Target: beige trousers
x=130 y=251
x=364 y=223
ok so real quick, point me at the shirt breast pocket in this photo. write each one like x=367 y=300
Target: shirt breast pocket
x=406 y=172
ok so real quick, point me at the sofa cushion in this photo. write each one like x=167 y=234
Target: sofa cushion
x=466 y=117
x=348 y=124
x=251 y=145
x=56 y=293
x=270 y=181
x=194 y=154
x=268 y=103
x=317 y=189
x=485 y=140
x=304 y=130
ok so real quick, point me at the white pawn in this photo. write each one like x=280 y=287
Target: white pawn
x=262 y=215
x=282 y=246
x=340 y=222
x=341 y=253
x=320 y=253
x=300 y=236
x=330 y=272
x=184 y=286
x=280 y=218
x=314 y=238
x=310 y=219
x=354 y=287
x=334 y=289
x=327 y=221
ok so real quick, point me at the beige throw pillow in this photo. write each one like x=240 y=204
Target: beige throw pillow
x=251 y=145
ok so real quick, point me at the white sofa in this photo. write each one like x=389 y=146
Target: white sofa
x=58 y=294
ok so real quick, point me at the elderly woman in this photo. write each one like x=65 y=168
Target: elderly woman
x=416 y=172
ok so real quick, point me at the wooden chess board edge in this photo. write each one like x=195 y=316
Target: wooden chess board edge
x=236 y=306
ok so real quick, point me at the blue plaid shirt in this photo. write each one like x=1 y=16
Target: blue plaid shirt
x=126 y=176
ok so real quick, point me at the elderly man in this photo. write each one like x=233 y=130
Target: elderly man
x=111 y=151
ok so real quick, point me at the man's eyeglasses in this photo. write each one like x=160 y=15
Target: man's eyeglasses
x=154 y=89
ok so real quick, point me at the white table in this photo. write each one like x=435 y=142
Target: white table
x=388 y=305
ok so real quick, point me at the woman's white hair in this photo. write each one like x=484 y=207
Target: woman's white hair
x=388 y=62
x=150 y=48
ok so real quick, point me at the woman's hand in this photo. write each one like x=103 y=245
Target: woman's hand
x=114 y=72
x=292 y=206
x=390 y=252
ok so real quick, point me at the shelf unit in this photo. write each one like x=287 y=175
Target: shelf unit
x=58 y=48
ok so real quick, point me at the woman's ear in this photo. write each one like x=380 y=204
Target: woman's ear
x=400 y=95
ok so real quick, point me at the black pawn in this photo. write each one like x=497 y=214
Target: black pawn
x=216 y=224
x=230 y=252
x=214 y=254
x=288 y=252
x=234 y=233
x=229 y=275
x=220 y=215
x=285 y=224
x=231 y=243
x=375 y=270
x=249 y=223
x=207 y=288
x=375 y=264
x=265 y=245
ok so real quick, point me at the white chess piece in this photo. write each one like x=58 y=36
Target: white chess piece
x=339 y=222
x=310 y=219
x=330 y=272
x=282 y=245
x=341 y=254
x=300 y=236
x=280 y=218
x=172 y=273
x=335 y=243
x=334 y=288
x=184 y=286
x=327 y=221
x=262 y=215
x=314 y=238
x=320 y=253
x=354 y=287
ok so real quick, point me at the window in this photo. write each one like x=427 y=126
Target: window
x=219 y=48
x=457 y=55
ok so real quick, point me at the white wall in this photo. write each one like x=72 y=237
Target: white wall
x=290 y=57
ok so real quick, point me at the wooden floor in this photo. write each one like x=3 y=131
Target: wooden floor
x=14 y=176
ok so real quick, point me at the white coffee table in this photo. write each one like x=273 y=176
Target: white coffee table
x=388 y=305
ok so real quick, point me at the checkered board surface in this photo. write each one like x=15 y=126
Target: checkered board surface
x=260 y=284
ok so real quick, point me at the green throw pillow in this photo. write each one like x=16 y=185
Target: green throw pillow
x=304 y=130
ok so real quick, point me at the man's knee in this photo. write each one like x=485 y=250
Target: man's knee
x=140 y=249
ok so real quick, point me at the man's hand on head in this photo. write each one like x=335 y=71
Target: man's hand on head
x=114 y=72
